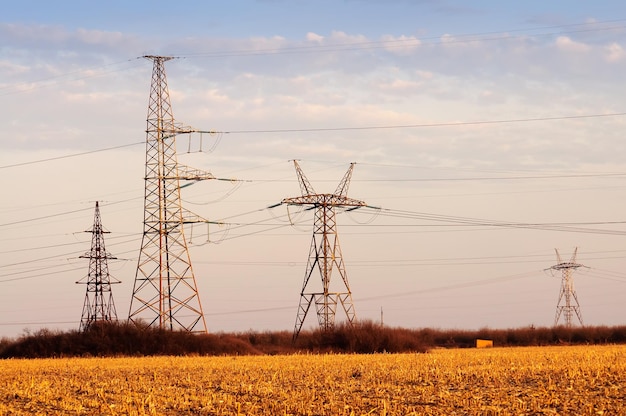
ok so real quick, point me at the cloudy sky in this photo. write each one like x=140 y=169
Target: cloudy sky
x=487 y=134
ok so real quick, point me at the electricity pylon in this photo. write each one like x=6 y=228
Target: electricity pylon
x=165 y=294
x=567 y=305
x=99 y=305
x=325 y=253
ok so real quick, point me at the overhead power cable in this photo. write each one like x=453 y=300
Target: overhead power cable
x=422 y=125
x=49 y=159
x=597 y=26
x=36 y=323
x=57 y=272
x=394 y=295
x=468 y=221
x=345 y=128
x=461 y=285
x=414 y=41
x=440 y=261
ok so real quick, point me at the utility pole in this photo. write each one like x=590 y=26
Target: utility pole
x=98 y=305
x=165 y=293
x=567 y=305
x=325 y=253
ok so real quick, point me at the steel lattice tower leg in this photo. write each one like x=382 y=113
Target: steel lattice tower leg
x=98 y=305
x=165 y=293
x=325 y=254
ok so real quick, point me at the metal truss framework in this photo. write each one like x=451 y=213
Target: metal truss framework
x=98 y=305
x=325 y=253
x=165 y=293
x=567 y=305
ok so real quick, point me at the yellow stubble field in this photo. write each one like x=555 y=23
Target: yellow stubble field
x=568 y=380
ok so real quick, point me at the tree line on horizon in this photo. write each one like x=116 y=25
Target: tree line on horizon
x=114 y=339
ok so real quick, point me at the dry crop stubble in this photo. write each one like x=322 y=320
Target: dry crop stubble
x=582 y=380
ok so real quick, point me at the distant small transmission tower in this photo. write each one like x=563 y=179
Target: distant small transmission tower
x=567 y=306
x=99 y=305
x=325 y=253
x=165 y=293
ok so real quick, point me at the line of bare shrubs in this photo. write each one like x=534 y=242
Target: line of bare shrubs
x=528 y=336
x=363 y=338
x=124 y=339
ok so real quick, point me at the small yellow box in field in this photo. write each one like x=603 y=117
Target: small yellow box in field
x=484 y=343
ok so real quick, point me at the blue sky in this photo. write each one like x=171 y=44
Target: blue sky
x=294 y=18
x=491 y=113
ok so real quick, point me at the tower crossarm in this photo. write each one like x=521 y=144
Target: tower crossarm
x=99 y=254
x=324 y=200
x=566 y=265
x=168 y=132
x=189 y=217
x=192 y=174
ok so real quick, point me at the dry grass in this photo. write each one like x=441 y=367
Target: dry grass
x=501 y=381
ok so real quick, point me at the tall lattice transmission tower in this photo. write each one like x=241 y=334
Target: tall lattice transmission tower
x=567 y=305
x=165 y=293
x=98 y=305
x=325 y=253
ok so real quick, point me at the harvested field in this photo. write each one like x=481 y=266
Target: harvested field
x=568 y=380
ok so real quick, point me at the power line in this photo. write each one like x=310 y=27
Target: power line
x=32 y=162
x=440 y=220
x=452 y=221
x=349 y=46
x=452 y=261
x=498 y=178
x=407 y=42
x=40 y=275
x=348 y=128
x=63 y=256
x=451 y=287
x=474 y=178
x=468 y=221
x=423 y=125
x=36 y=323
x=394 y=295
x=44 y=217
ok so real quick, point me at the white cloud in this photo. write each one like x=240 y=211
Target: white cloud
x=340 y=36
x=263 y=43
x=33 y=35
x=447 y=38
x=313 y=37
x=11 y=69
x=99 y=37
x=400 y=86
x=614 y=52
x=401 y=44
x=565 y=43
x=424 y=74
